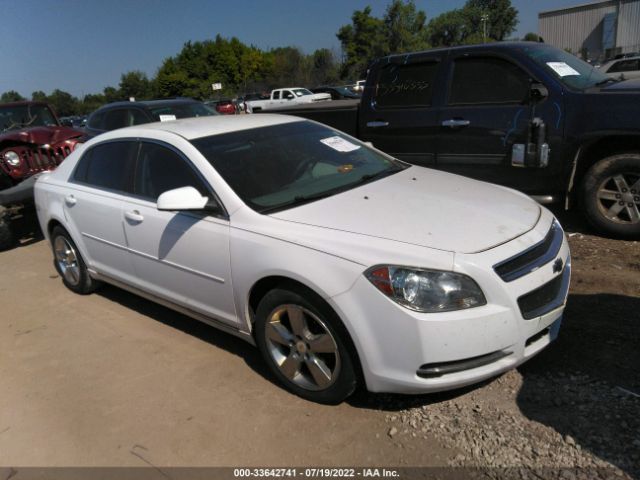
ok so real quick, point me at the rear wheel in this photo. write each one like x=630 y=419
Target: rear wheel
x=611 y=195
x=305 y=346
x=69 y=263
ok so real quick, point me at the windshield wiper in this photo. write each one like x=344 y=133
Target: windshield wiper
x=606 y=80
x=299 y=200
x=375 y=176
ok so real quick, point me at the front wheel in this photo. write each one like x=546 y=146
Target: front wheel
x=611 y=195
x=305 y=346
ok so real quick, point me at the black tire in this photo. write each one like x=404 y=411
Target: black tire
x=342 y=363
x=601 y=181
x=83 y=284
x=7 y=239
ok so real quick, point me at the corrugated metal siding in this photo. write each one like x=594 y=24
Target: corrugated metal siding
x=628 y=33
x=577 y=28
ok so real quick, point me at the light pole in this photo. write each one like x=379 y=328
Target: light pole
x=484 y=18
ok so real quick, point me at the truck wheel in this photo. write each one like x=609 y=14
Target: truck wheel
x=305 y=346
x=6 y=233
x=69 y=263
x=611 y=195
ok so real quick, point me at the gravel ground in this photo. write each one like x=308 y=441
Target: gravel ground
x=571 y=412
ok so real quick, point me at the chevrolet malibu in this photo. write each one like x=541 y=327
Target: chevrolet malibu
x=344 y=266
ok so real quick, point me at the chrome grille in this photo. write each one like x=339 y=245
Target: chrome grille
x=532 y=258
x=42 y=158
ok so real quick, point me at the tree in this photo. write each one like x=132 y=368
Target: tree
x=404 y=27
x=135 y=84
x=448 y=29
x=63 y=103
x=466 y=25
x=39 y=96
x=111 y=95
x=324 y=70
x=362 y=42
x=531 y=37
x=11 y=96
x=502 y=17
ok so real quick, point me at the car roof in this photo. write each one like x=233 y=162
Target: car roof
x=197 y=127
x=623 y=59
x=480 y=46
x=150 y=103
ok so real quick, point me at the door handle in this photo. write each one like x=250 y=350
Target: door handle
x=70 y=200
x=134 y=216
x=378 y=124
x=453 y=123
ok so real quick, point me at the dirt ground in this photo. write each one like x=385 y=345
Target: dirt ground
x=110 y=379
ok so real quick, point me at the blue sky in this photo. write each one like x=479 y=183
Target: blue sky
x=82 y=46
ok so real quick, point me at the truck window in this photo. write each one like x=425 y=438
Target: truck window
x=276 y=95
x=400 y=85
x=487 y=80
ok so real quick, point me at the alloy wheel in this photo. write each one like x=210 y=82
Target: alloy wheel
x=302 y=347
x=619 y=198
x=67 y=260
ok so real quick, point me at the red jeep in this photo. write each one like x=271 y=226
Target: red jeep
x=32 y=140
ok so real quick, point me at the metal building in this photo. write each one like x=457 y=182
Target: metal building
x=594 y=31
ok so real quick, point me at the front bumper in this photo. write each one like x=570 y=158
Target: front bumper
x=410 y=352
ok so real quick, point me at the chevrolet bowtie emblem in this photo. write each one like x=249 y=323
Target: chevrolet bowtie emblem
x=557 y=266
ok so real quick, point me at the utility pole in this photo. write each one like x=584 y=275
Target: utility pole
x=484 y=18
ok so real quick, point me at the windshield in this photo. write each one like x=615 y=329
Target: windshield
x=566 y=67
x=184 y=110
x=20 y=116
x=301 y=91
x=281 y=166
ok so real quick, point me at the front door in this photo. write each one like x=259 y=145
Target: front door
x=486 y=112
x=181 y=256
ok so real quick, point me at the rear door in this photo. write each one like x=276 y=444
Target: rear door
x=400 y=116
x=486 y=111
x=93 y=205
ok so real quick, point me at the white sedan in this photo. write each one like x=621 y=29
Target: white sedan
x=343 y=265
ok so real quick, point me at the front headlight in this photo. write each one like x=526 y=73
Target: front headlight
x=426 y=290
x=12 y=158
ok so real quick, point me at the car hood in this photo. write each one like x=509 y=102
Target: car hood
x=40 y=135
x=426 y=208
x=632 y=84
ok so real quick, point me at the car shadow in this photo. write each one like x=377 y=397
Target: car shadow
x=586 y=386
x=190 y=326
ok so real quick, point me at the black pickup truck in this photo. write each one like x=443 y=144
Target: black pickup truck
x=521 y=114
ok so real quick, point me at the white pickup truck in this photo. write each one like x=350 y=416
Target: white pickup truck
x=285 y=97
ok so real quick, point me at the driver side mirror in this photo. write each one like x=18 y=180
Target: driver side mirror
x=184 y=198
x=537 y=91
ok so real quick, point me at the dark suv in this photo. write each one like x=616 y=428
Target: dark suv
x=125 y=114
x=32 y=140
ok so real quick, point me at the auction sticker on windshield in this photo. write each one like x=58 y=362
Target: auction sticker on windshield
x=562 y=69
x=167 y=118
x=340 y=144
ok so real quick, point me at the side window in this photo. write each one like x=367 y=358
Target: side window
x=409 y=85
x=116 y=119
x=624 y=66
x=287 y=94
x=160 y=170
x=95 y=121
x=137 y=117
x=107 y=165
x=276 y=95
x=487 y=80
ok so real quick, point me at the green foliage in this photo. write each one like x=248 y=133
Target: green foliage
x=531 y=37
x=39 y=96
x=135 y=84
x=465 y=26
x=11 y=96
x=404 y=27
x=362 y=41
x=63 y=103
